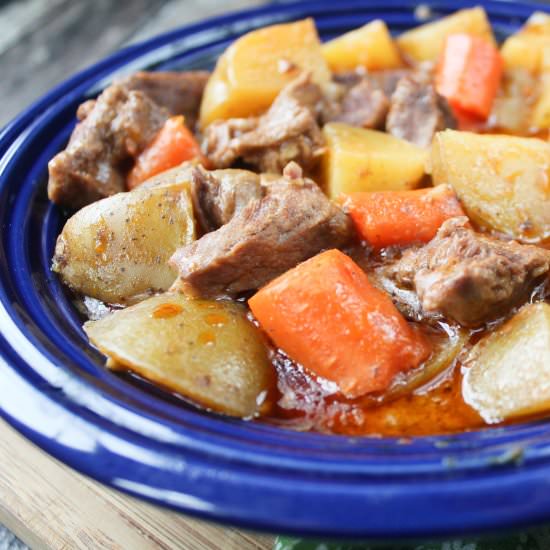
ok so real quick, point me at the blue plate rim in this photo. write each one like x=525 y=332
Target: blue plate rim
x=456 y=472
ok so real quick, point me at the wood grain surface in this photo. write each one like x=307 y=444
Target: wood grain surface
x=43 y=42
x=52 y=507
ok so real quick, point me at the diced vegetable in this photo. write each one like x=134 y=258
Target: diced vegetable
x=508 y=371
x=424 y=43
x=502 y=182
x=326 y=315
x=256 y=67
x=116 y=249
x=468 y=73
x=367 y=160
x=540 y=118
x=386 y=218
x=173 y=145
x=525 y=48
x=370 y=46
x=205 y=350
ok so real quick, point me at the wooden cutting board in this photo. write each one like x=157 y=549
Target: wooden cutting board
x=50 y=506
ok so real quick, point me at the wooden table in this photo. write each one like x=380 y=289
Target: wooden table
x=50 y=506
x=44 y=503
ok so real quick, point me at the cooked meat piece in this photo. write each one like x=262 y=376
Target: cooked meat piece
x=84 y=109
x=363 y=105
x=220 y=195
x=293 y=221
x=287 y=132
x=180 y=93
x=469 y=277
x=417 y=112
x=385 y=80
x=113 y=132
x=388 y=79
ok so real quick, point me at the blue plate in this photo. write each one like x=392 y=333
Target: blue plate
x=54 y=389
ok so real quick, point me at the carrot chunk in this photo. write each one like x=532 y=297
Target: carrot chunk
x=468 y=73
x=326 y=315
x=173 y=145
x=385 y=218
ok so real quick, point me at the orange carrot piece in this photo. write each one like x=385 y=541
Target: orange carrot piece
x=173 y=145
x=385 y=218
x=468 y=73
x=326 y=315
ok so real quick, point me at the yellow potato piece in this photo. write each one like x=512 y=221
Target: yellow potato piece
x=508 y=371
x=503 y=182
x=541 y=113
x=370 y=46
x=368 y=160
x=540 y=118
x=116 y=249
x=521 y=52
x=205 y=350
x=255 y=68
x=525 y=49
x=424 y=43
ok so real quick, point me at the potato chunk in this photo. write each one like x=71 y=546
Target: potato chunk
x=424 y=43
x=540 y=118
x=255 y=68
x=503 y=182
x=205 y=350
x=525 y=48
x=116 y=249
x=367 y=160
x=508 y=371
x=370 y=46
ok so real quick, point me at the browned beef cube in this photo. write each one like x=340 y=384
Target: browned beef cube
x=363 y=105
x=287 y=132
x=291 y=222
x=417 y=112
x=220 y=195
x=114 y=130
x=180 y=93
x=469 y=277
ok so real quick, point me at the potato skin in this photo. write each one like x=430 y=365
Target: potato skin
x=116 y=249
x=205 y=350
x=368 y=160
x=503 y=182
x=508 y=371
x=255 y=68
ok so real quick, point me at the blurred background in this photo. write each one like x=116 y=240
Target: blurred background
x=42 y=42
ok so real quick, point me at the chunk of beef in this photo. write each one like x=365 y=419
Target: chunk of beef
x=363 y=105
x=385 y=80
x=388 y=79
x=291 y=222
x=84 y=109
x=288 y=131
x=469 y=277
x=220 y=195
x=114 y=130
x=417 y=112
x=180 y=93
